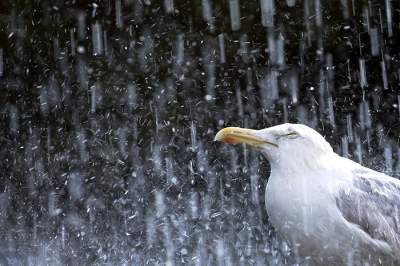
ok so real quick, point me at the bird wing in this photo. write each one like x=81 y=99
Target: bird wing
x=372 y=202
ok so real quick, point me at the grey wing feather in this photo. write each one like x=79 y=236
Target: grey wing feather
x=373 y=203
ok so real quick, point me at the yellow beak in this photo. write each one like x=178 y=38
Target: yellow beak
x=236 y=135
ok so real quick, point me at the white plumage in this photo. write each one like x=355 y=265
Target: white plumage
x=331 y=210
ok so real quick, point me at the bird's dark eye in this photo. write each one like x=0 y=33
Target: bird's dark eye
x=291 y=135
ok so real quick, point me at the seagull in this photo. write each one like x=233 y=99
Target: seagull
x=329 y=209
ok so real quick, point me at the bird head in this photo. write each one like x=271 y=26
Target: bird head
x=286 y=143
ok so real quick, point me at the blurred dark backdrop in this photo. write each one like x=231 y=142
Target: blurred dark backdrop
x=108 y=110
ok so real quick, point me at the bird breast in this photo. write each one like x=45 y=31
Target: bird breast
x=288 y=205
x=298 y=210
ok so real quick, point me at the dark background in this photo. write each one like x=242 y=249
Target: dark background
x=108 y=110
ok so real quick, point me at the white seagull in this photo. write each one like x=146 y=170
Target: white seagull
x=331 y=210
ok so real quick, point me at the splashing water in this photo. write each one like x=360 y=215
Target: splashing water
x=109 y=111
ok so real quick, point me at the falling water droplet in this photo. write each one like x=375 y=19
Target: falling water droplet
x=388 y=5
x=363 y=75
x=267 y=13
x=234 y=11
x=97 y=39
x=1 y=62
x=118 y=14
x=221 y=43
x=388 y=159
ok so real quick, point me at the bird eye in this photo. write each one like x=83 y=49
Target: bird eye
x=291 y=135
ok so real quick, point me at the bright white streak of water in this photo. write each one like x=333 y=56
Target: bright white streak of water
x=239 y=100
x=160 y=204
x=366 y=20
x=44 y=101
x=280 y=49
x=374 y=39
x=84 y=155
x=150 y=230
x=349 y=124
x=14 y=118
x=221 y=44
x=345 y=9
x=364 y=115
x=73 y=42
x=119 y=22
x=398 y=165
x=207 y=14
x=384 y=75
x=294 y=86
x=272 y=49
x=398 y=101
x=132 y=96
x=193 y=136
x=52 y=204
x=81 y=25
x=388 y=159
x=220 y=250
x=267 y=12
x=318 y=13
x=75 y=186
x=97 y=39
x=359 y=150
x=345 y=147
x=1 y=62
x=273 y=82
x=180 y=49
x=93 y=97
x=363 y=75
x=291 y=3
x=331 y=112
x=122 y=142
x=388 y=6
x=169 y=6
x=194 y=205
x=234 y=10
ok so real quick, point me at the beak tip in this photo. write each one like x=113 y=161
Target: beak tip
x=219 y=136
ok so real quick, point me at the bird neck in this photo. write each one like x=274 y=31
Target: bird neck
x=299 y=165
